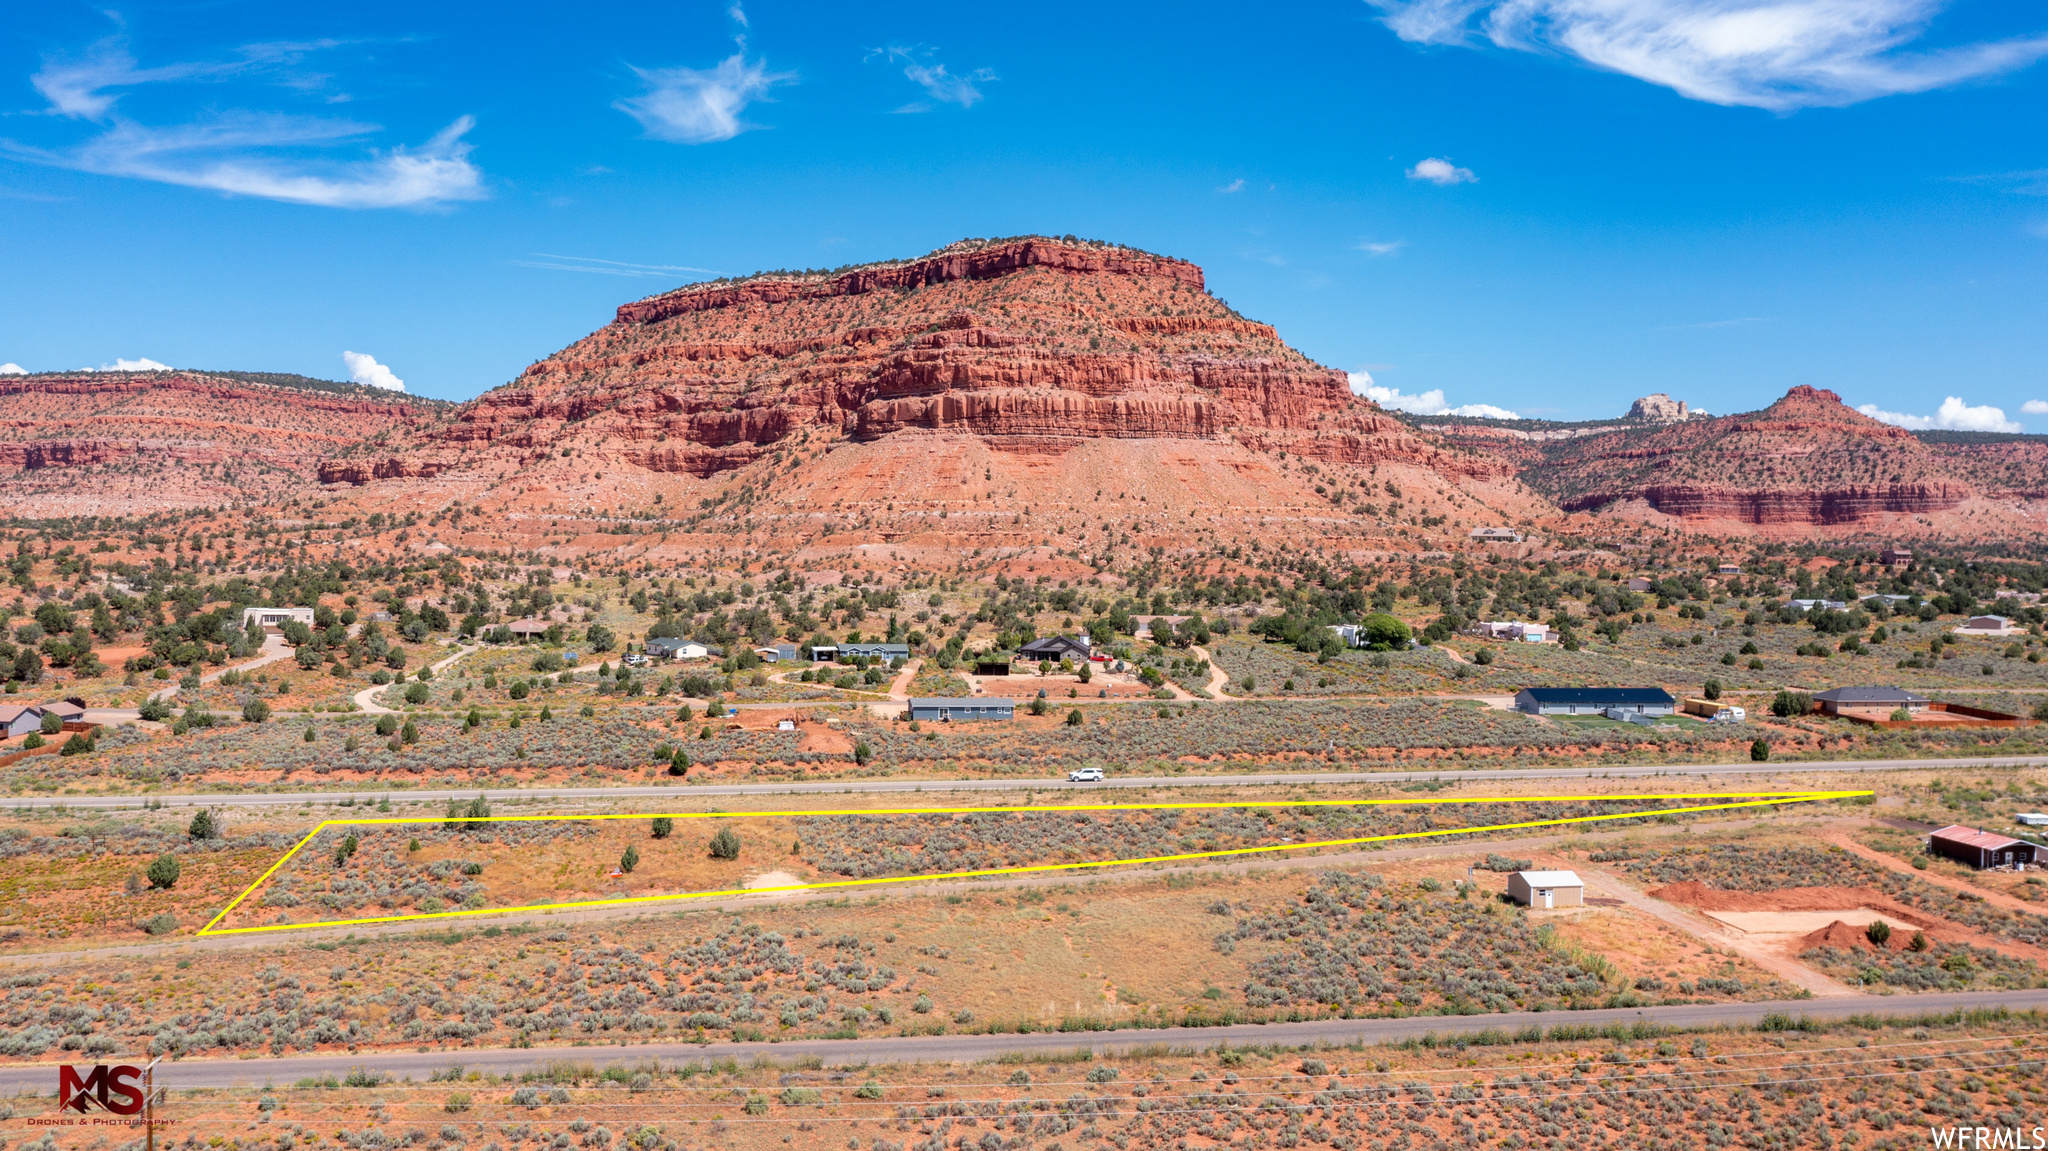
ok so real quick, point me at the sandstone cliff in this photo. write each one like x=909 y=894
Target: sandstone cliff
x=1035 y=353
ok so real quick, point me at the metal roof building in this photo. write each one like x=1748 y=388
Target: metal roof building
x=1979 y=849
x=1547 y=889
x=1834 y=700
x=1594 y=700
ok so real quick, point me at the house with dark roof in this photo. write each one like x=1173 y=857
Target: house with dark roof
x=1980 y=849
x=1595 y=700
x=1054 y=648
x=1835 y=700
x=882 y=651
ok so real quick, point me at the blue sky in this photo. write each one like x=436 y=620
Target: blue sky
x=1546 y=206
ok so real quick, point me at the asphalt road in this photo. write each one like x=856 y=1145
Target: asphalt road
x=1704 y=770
x=201 y=1073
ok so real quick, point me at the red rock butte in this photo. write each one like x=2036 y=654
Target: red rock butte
x=1050 y=370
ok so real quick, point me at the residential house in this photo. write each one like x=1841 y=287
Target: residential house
x=1638 y=584
x=1496 y=535
x=1988 y=625
x=1728 y=569
x=945 y=709
x=526 y=629
x=669 y=647
x=1895 y=557
x=881 y=651
x=777 y=653
x=1594 y=700
x=1819 y=604
x=1515 y=630
x=18 y=719
x=275 y=617
x=1836 y=700
x=1054 y=648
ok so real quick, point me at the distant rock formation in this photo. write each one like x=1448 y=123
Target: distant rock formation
x=1658 y=408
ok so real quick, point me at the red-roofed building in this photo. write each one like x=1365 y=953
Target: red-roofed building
x=1980 y=849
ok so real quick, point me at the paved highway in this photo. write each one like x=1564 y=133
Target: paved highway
x=1264 y=779
x=203 y=1073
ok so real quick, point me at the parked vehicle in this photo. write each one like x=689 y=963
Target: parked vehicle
x=1085 y=775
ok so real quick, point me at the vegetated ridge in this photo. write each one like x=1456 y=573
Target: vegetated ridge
x=1807 y=461
x=121 y=442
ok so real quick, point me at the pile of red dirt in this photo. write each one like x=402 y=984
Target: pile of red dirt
x=1848 y=938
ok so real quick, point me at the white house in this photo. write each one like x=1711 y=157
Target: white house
x=274 y=617
x=662 y=648
x=1513 y=630
x=1545 y=890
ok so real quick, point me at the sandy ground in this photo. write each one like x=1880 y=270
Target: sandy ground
x=1793 y=922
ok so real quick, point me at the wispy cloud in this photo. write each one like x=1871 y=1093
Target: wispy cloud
x=364 y=369
x=556 y=263
x=2033 y=182
x=1429 y=403
x=1442 y=173
x=1953 y=414
x=259 y=154
x=939 y=84
x=1236 y=185
x=1380 y=247
x=1775 y=54
x=692 y=106
x=2035 y=408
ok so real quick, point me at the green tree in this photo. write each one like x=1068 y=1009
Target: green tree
x=203 y=826
x=163 y=872
x=679 y=762
x=1791 y=703
x=630 y=859
x=1878 y=931
x=52 y=723
x=726 y=844
x=255 y=711
x=1075 y=718
x=663 y=826
x=1759 y=751
x=1383 y=632
x=862 y=752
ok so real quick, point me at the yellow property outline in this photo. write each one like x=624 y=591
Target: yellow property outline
x=1749 y=799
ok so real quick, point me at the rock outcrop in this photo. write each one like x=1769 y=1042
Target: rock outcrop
x=1032 y=349
x=1806 y=459
x=1658 y=408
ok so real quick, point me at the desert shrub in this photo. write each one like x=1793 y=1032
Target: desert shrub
x=163 y=872
x=725 y=844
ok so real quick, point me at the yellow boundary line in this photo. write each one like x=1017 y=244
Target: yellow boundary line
x=1748 y=799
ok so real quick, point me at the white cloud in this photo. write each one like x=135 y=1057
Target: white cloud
x=688 y=106
x=366 y=370
x=144 y=364
x=1236 y=185
x=1442 y=173
x=1776 y=54
x=1429 y=403
x=1381 y=247
x=12 y=370
x=241 y=152
x=2035 y=408
x=948 y=88
x=1953 y=415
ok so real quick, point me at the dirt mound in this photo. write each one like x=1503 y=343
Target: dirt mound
x=1848 y=938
